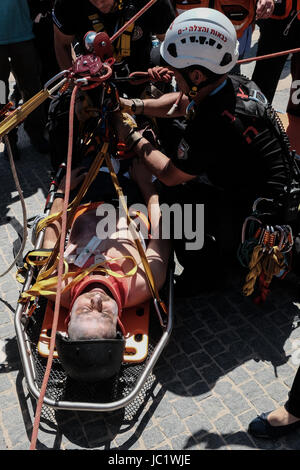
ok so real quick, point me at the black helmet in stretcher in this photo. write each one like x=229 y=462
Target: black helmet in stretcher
x=90 y=360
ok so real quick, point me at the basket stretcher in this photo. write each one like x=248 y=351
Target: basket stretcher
x=145 y=341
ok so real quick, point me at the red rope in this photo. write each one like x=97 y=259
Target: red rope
x=263 y=290
x=132 y=20
x=268 y=56
x=59 y=274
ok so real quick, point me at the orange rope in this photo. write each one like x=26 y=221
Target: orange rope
x=59 y=274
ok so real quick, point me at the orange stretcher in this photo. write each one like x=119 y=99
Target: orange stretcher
x=135 y=321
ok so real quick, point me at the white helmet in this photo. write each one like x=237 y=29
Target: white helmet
x=201 y=36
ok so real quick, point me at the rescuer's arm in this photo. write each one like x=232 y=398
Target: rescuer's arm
x=53 y=230
x=157 y=107
x=157 y=163
x=63 y=49
x=158 y=249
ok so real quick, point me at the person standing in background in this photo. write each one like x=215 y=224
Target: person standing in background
x=19 y=56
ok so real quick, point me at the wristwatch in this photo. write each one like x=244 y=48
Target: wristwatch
x=137 y=106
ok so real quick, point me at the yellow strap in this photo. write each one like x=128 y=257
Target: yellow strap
x=21 y=113
x=43 y=223
x=124 y=43
x=47 y=286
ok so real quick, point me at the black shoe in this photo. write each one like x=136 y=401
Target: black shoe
x=40 y=144
x=260 y=427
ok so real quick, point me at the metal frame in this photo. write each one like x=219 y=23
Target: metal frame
x=28 y=361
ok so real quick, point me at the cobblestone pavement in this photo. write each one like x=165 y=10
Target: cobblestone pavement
x=227 y=360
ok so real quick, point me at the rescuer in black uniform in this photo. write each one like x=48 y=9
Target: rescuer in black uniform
x=230 y=151
x=131 y=50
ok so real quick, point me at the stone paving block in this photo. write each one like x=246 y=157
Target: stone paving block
x=227 y=336
x=8 y=399
x=3 y=444
x=245 y=418
x=171 y=349
x=153 y=437
x=185 y=407
x=163 y=409
x=239 y=375
x=200 y=359
x=198 y=424
x=128 y=440
x=213 y=407
x=263 y=403
x=265 y=376
x=251 y=390
x=236 y=403
x=5 y=384
x=171 y=426
x=190 y=345
x=240 y=350
x=212 y=373
x=17 y=435
x=203 y=335
x=213 y=347
x=235 y=320
x=226 y=424
x=226 y=361
x=288 y=381
x=199 y=391
x=254 y=366
x=175 y=389
x=165 y=373
x=184 y=441
x=223 y=387
x=189 y=376
x=277 y=391
x=165 y=446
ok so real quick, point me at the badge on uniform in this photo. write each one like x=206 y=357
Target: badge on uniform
x=183 y=148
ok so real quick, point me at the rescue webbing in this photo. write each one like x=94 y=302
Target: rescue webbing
x=46 y=286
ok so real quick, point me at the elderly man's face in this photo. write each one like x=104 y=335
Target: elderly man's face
x=94 y=315
x=104 y=6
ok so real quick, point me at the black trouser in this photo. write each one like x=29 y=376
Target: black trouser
x=293 y=403
x=24 y=64
x=223 y=221
x=272 y=39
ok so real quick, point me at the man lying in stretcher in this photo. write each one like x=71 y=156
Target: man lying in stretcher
x=93 y=349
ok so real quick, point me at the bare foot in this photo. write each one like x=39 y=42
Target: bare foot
x=281 y=417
